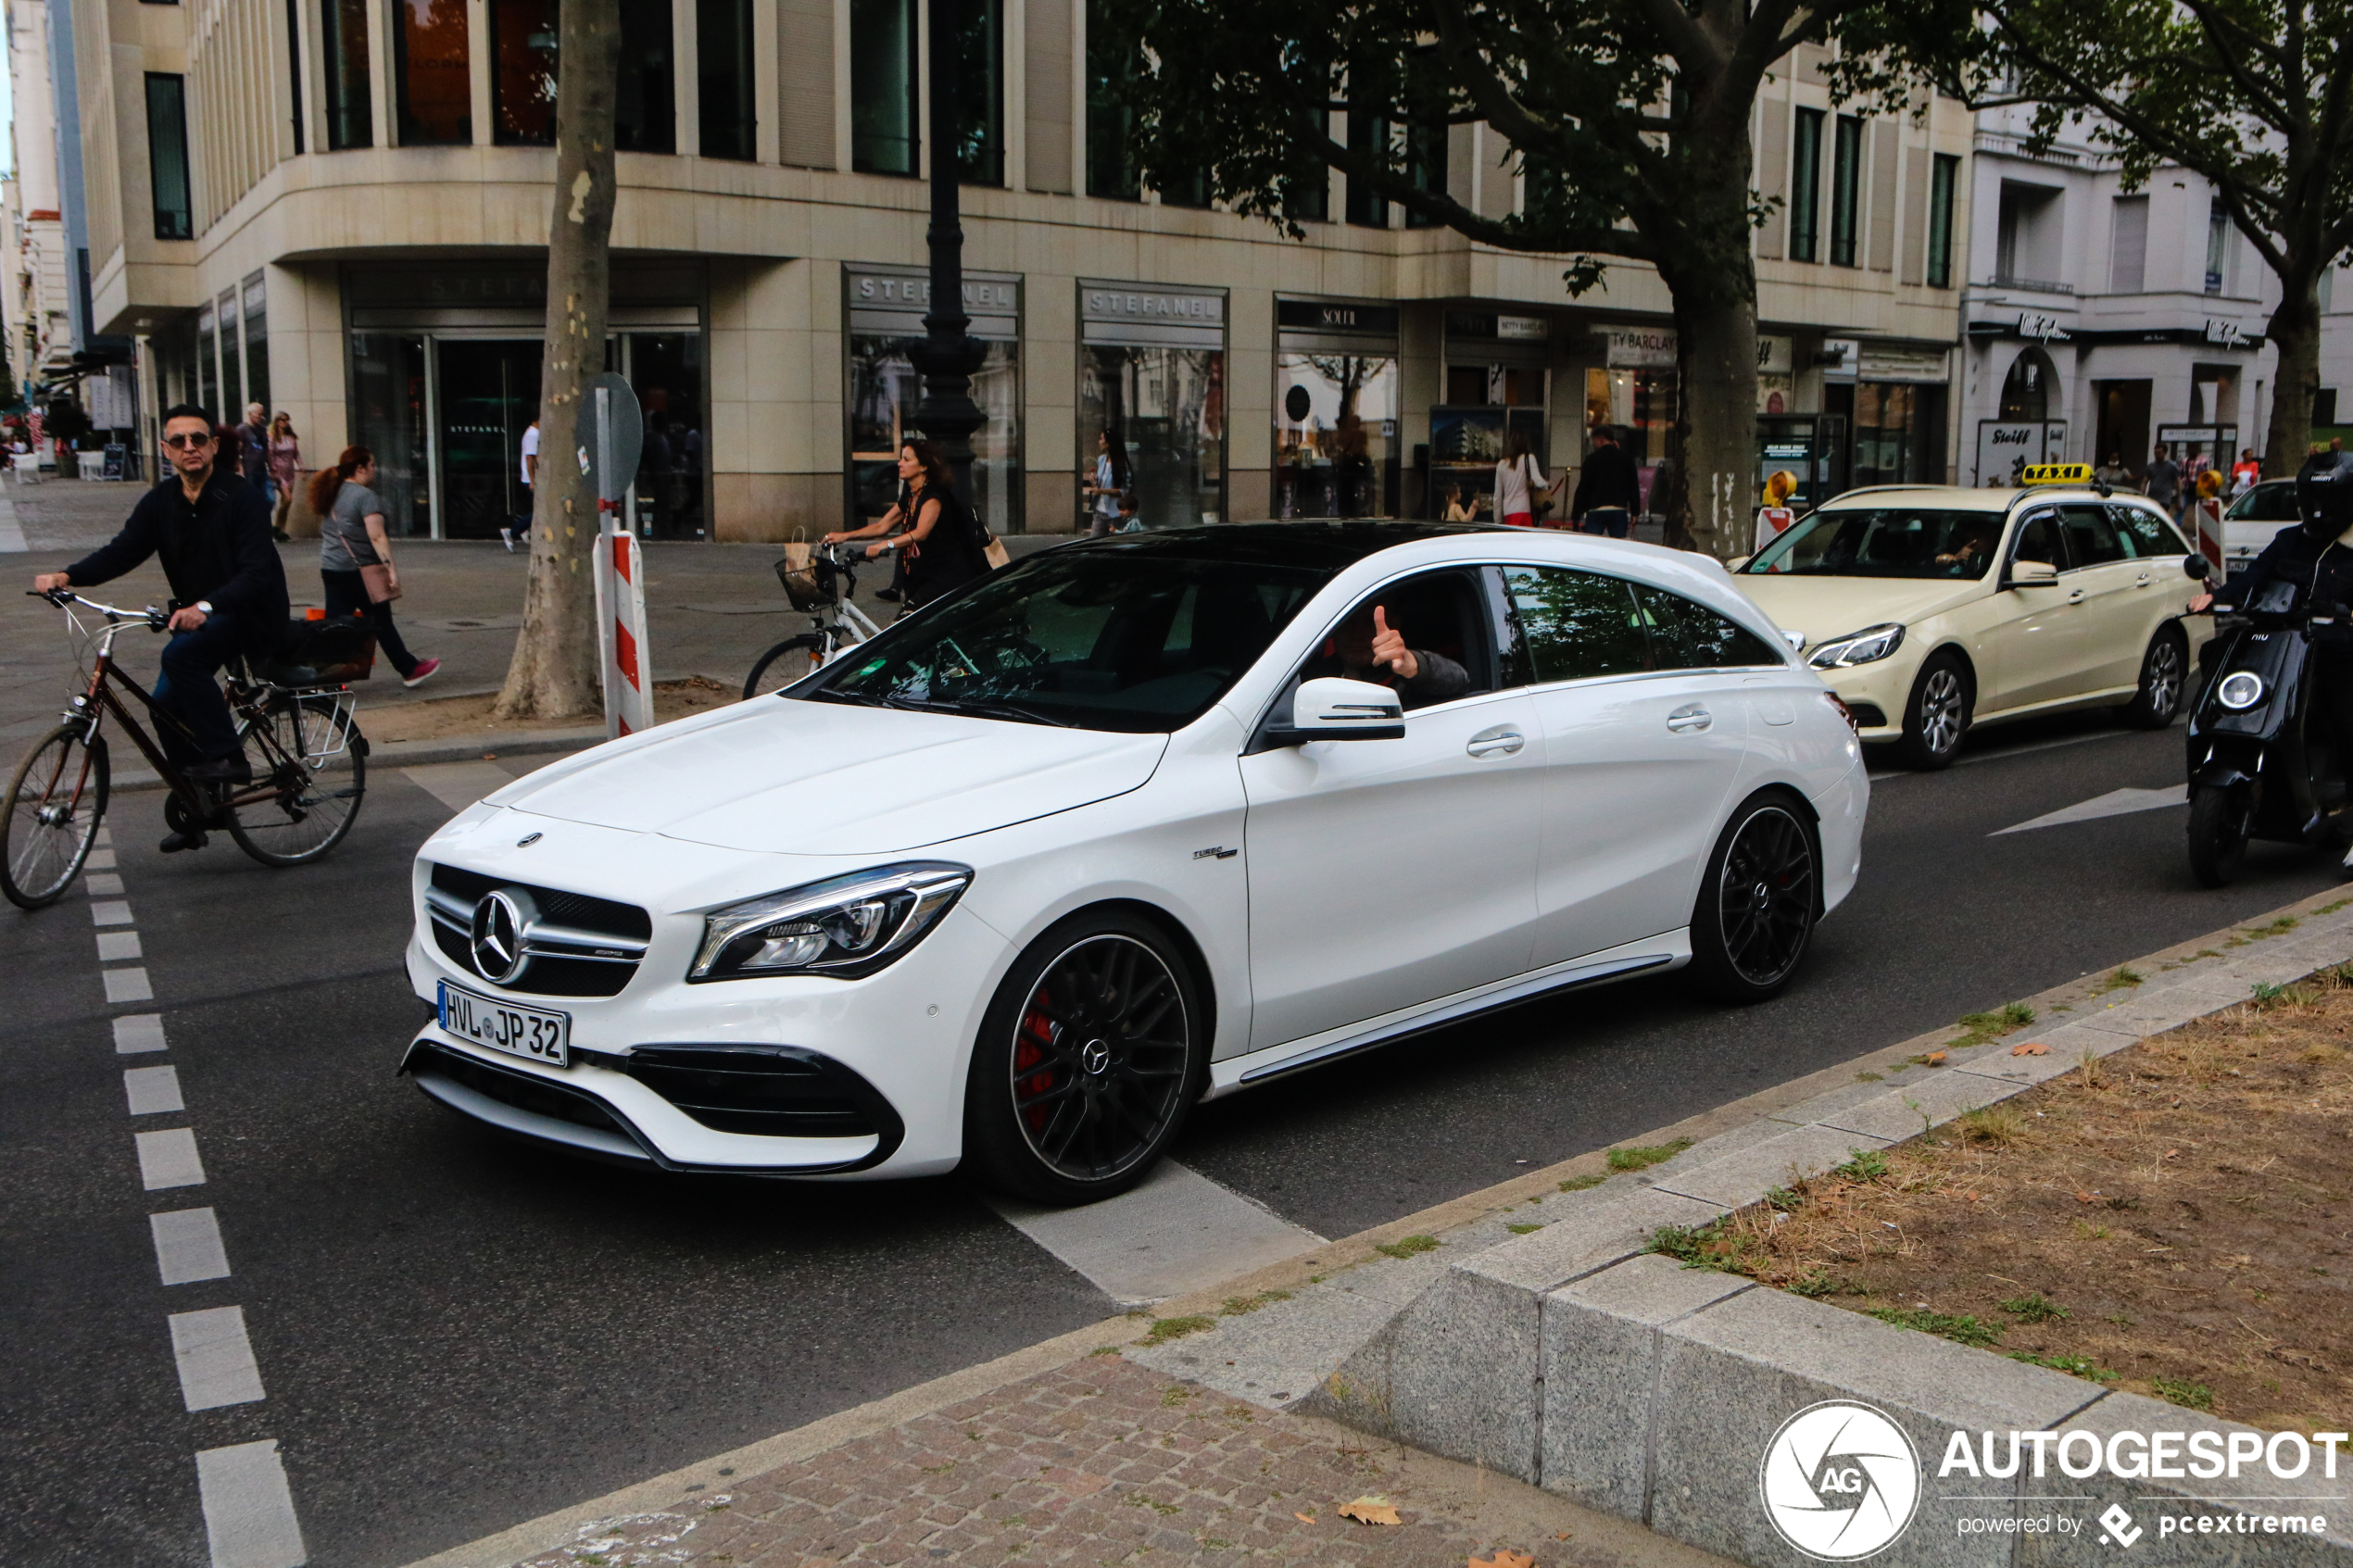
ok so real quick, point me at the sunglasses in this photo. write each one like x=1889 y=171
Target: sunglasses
x=184 y=443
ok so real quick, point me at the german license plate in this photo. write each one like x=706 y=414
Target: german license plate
x=530 y=1032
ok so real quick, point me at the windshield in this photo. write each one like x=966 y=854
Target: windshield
x=1128 y=640
x=2274 y=502
x=1884 y=542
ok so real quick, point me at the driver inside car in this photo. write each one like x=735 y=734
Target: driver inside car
x=1365 y=648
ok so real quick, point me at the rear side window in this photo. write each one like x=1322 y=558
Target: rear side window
x=2146 y=533
x=1576 y=626
x=2090 y=539
x=1687 y=636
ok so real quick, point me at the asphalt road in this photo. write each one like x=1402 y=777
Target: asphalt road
x=454 y=1334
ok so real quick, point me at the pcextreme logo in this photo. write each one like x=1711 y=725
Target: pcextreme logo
x=1840 y=1481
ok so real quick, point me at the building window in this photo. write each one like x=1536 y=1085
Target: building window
x=646 y=111
x=1425 y=165
x=882 y=86
x=1944 y=179
x=293 y=68
x=430 y=80
x=233 y=368
x=1846 y=189
x=1806 y=189
x=207 y=367
x=1110 y=77
x=2127 y=250
x=2217 y=243
x=1368 y=138
x=523 y=72
x=343 y=48
x=977 y=142
x=722 y=48
x=168 y=156
x=257 y=302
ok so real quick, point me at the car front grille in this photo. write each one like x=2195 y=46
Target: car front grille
x=579 y=946
x=772 y=1091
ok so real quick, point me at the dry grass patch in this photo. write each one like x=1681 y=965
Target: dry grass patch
x=2176 y=1220
x=455 y=718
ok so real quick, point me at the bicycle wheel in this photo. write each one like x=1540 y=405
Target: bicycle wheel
x=54 y=803
x=790 y=660
x=308 y=746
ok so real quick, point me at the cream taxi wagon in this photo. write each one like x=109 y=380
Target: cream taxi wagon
x=1930 y=608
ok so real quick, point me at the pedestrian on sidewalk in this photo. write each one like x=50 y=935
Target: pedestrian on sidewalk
x=253 y=460
x=1520 y=483
x=1113 y=480
x=2161 y=481
x=352 y=549
x=530 y=464
x=286 y=470
x=1609 y=490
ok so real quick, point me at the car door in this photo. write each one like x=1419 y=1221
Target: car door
x=2160 y=588
x=1386 y=873
x=1640 y=749
x=2030 y=638
x=2100 y=580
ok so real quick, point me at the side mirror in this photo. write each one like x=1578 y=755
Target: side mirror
x=2033 y=575
x=2197 y=568
x=1331 y=707
x=1796 y=640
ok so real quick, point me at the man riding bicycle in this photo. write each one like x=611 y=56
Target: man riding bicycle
x=211 y=530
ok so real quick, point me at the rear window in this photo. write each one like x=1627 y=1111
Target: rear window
x=2274 y=502
x=1884 y=542
x=2149 y=535
x=1574 y=625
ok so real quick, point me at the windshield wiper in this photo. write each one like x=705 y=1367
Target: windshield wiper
x=982 y=708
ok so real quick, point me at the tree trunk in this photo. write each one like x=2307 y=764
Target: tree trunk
x=2295 y=331
x=1710 y=505
x=554 y=673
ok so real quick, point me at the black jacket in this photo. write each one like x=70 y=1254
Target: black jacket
x=216 y=547
x=2323 y=572
x=1608 y=480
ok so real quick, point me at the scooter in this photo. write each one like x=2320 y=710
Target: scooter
x=2260 y=763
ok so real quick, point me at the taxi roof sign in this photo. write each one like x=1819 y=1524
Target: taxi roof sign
x=2057 y=473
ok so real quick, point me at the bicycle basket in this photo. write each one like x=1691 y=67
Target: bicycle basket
x=804 y=585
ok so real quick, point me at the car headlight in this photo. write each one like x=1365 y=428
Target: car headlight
x=844 y=926
x=1858 y=647
x=2240 y=691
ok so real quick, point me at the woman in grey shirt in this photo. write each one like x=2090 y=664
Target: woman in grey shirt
x=351 y=535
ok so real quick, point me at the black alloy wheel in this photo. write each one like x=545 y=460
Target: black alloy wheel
x=1758 y=904
x=1937 y=714
x=1089 y=1058
x=2164 y=672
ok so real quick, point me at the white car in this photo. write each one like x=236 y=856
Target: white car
x=1116 y=829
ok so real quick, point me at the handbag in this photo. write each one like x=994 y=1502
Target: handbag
x=377 y=580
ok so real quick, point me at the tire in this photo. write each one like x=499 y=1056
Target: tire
x=2164 y=677
x=1936 y=716
x=1089 y=1058
x=2217 y=837
x=307 y=746
x=779 y=668
x=56 y=798
x=1758 y=904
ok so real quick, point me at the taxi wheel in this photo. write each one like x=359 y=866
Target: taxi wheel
x=1937 y=714
x=2164 y=669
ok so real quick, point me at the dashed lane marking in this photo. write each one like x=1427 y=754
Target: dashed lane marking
x=168 y=1159
x=109 y=911
x=458 y=785
x=128 y=985
x=248 y=1511
x=114 y=946
x=97 y=883
x=214 y=1359
x=188 y=1246
x=1175 y=1232
x=152 y=1090
x=2115 y=803
x=137 y=1031
x=100 y=860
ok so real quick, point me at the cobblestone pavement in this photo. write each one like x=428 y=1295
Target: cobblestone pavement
x=1102 y=1461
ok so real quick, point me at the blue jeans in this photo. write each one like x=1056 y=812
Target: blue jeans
x=187 y=685
x=1611 y=520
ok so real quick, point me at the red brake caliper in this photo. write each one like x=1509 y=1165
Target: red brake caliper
x=1029 y=1048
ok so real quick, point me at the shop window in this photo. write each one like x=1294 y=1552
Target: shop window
x=168 y=156
x=1899 y=431
x=1168 y=406
x=723 y=56
x=976 y=141
x=882 y=88
x=526 y=40
x=1944 y=180
x=388 y=418
x=257 y=315
x=343 y=48
x=431 y=79
x=665 y=370
x=1368 y=138
x=294 y=72
x=232 y=368
x=883 y=392
x=1806 y=189
x=1846 y=189
x=1336 y=434
x=1111 y=116
x=2026 y=391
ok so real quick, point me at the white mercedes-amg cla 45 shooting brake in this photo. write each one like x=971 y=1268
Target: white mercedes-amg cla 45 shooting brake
x=1134 y=822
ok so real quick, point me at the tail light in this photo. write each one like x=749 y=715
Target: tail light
x=1843 y=711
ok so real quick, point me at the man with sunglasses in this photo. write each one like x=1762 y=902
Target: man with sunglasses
x=211 y=530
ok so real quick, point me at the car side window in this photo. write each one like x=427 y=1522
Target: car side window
x=1443 y=617
x=2091 y=538
x=1574 y=625
x=2146 y=533
x=1688 y=636
x=2039 y=538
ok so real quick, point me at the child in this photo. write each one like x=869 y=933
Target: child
x=1455 y=511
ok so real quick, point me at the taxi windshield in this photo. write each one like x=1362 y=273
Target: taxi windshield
x=1884 y=542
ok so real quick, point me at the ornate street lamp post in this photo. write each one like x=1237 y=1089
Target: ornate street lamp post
x=947 y=357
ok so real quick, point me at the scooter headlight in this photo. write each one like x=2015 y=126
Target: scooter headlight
x=2240 y=690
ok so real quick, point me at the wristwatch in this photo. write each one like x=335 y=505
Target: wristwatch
x=204 y=607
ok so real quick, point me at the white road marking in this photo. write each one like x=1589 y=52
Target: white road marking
x=188 y=1246
x=249 y=1513
x=169 y=1159
x=111 y=911
x=136 y=1031
x=100 y=860
x=214 y=1359
x=128 y=985
x=105 y=835
x=98 y=883
x=1176 y=1232
x=152 y=1090
x=12 y=540
x=2115 y=803
x=114 y=946
x=458 y=785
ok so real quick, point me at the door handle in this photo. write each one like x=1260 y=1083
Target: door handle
x=2075 y=597
x=2142 y=580
x=1689 y=717
x=1495 y=743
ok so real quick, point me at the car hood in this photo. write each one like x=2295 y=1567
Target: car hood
x=1822 y=607
x=812 y=778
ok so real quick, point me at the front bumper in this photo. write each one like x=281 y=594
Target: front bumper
x=1877 y=692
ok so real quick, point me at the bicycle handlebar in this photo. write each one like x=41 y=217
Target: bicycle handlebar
x=61 y=598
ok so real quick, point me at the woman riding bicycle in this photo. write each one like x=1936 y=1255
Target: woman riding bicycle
x=943 y=549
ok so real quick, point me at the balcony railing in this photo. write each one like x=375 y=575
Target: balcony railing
x=2031 y=285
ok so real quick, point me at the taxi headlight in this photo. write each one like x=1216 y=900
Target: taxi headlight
x=2240 y=691
x=1871 y=644
x=844 y=926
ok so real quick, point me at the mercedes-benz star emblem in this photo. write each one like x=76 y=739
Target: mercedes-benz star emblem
x=1095 y=1056
x=502 y=925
